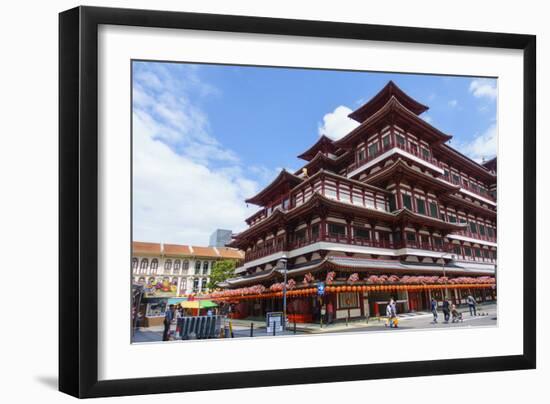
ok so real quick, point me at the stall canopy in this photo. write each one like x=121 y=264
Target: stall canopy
x=176 y=300
x=198 y=304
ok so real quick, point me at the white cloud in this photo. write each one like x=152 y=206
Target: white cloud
x=427 y=118
x=482 y=146
x=336 y=124
x=178 y=200
x=484 y=88
x=453 y=103
x=185 y=182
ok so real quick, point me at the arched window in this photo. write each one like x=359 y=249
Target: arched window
x=135 y=262
x=183 y=287
x=144 y=265
x=177 y=266
x=205 y=267
x=185 y=265
x=174 y=281
x=154 y=265
x=167 y=266
x=197 y=267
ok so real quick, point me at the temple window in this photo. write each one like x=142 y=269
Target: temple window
x=361 y=155
x=373 y=149
x=400 y=140
x=482 y=230
x=421 y=206
x=407 y=201
x=411 y=237
x=300 y=235
x=473 y=227
x=456 y=179
x=391 y=202
x=362 y=233
x=315 y=231
x=335 y=229
x=425 y=153
x=433 y=209
x=386 y=141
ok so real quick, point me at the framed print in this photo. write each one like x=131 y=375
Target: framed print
x=251 y=201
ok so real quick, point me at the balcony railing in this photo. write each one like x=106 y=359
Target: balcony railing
x=264 y=252
x=468 y=187
x=477 y=236
x=415 y=151
x=359 y=241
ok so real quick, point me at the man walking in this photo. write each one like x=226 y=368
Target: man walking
x=168 y=317
x=434 y=309
x=446 y=310
x=471 y=304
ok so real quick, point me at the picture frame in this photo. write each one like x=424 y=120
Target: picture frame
x=78 y=200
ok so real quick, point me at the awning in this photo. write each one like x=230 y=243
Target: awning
x=176 y=300
x=198 y=304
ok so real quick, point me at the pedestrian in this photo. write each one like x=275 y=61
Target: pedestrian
x=209 y=313
x=389 y=315
x=168 y=317
x=456 y=315
x=330 y=312
x=434 y=309
x=471 y=304
x=446 y=310
x=391 y=312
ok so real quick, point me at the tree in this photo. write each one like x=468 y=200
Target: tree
x=221 y=271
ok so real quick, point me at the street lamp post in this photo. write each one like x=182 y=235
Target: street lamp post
x=283 y=269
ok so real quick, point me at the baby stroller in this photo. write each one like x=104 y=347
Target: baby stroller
x=456 y=316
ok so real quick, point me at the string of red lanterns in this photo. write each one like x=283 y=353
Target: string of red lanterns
x=303 y=292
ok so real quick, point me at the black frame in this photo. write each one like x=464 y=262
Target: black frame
x=78 y=207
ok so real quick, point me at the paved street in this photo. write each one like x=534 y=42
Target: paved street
x=410 y=321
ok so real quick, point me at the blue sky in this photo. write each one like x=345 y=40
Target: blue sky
x=237 y=126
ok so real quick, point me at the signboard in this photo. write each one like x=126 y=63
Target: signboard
x=274 y=319
x=321 y=289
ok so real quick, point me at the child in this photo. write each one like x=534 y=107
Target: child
x=456 y=315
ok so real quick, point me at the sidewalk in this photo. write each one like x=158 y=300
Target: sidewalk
x=422 y=319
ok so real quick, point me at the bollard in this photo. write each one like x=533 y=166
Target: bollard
x=274 y=329
x=295 y=327
x=231 y=329
x=251 y=329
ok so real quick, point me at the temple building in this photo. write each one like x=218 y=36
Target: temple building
x=388 y=210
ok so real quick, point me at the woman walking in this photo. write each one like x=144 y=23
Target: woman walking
x=434 y=309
